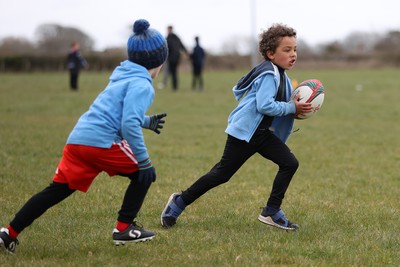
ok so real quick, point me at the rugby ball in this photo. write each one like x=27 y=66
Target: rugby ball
x=310 y=91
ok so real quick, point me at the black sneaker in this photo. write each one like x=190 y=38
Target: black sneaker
x=134 y=233
x=277 y=219
x=7 y=243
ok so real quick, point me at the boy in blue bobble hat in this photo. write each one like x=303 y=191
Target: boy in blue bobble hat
x=108 y=137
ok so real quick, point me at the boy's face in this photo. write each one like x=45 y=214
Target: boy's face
x=286 y=53
x=154 y=72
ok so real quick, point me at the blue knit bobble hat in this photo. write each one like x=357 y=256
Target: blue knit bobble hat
x=146 y=46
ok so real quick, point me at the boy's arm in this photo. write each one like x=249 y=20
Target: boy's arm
x=137 y=101
x=266 y=89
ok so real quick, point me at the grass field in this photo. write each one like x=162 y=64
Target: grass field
x=345 y=195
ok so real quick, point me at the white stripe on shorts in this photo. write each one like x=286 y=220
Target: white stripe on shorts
x=124 y=146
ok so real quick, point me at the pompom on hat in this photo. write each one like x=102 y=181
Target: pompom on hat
x=146 y=46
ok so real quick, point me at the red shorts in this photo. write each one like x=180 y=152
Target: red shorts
x=81 y=164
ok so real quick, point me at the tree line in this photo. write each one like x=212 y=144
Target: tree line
x=48 y=53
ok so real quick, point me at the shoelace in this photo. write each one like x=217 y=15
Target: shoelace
x=138 y=225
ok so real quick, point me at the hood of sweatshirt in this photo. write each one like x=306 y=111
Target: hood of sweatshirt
x=240 y=89
x=127 y=69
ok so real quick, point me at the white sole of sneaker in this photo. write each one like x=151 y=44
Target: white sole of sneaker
x=4 y=250
x=268 y=220
x=166 y=206
x=122 y=242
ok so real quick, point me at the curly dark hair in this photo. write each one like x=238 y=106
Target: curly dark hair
x=269 y=39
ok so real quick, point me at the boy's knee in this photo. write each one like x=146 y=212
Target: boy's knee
x=294 y=164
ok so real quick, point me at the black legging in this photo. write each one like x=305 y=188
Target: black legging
x=235 y=155
x=38 y=204
x=133 y=199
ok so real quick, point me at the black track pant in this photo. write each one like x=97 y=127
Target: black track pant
x=73 y=80
x=197 y=78
x=56 y=192
x=235 y=155
x=173 y=70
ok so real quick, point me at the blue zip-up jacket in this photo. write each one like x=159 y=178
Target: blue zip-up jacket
x=118 y=112
x=256 y=92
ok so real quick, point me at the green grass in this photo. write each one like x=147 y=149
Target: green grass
x=345 y=195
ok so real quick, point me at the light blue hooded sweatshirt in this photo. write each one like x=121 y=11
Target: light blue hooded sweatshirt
x=256 y=92
x=118 y=112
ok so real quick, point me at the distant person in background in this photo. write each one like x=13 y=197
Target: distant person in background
x=175 y=48
x=75 y=62
x=108 y=138
x=198 y=56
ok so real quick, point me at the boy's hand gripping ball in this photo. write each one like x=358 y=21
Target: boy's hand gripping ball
x=310 y=91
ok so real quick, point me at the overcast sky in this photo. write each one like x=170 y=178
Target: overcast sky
x=215 y=21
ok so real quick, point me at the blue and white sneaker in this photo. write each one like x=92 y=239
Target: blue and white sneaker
x=134 y=233
x=7 y=243
x=277 y=219
x=171 y=212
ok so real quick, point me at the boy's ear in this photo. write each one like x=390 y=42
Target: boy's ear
x=269 y=54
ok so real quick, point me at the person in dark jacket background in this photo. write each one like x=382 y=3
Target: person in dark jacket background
x=75 y=62
x=198 y=55
x=175 y=47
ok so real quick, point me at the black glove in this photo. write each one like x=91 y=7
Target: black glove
x=147 y=173
x=156 y=122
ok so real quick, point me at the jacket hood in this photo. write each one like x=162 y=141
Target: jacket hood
x=127 y=69
x=246 y=81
